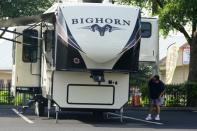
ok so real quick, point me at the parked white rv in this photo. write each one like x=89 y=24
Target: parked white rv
x=82 y=57
x=149 y=48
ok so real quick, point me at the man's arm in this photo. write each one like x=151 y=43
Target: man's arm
x=162 y=89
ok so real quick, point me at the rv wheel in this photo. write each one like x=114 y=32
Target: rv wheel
x=39 y=108
x=98 y=115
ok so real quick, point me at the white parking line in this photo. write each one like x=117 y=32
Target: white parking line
x=22 y=116
x=132 y=118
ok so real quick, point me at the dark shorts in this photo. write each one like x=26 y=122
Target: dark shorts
x=156 y=101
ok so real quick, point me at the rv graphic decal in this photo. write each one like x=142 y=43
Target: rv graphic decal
x=120 y=22
x=101 y=30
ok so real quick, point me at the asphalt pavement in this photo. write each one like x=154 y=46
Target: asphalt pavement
x=12 y=119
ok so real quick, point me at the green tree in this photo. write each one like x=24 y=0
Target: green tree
x=175 y=15
x=142 y=76
x=140 y=80
x=17 y=8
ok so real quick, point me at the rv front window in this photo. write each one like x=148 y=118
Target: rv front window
x=30 y=45
x=146 y=29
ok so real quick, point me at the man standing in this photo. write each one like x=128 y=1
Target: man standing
x=156 y=90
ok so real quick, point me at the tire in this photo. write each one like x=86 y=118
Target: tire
x=39 y=108
x=98 y=115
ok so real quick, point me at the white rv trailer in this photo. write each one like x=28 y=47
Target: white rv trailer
x=149 y=48
x=83 y=57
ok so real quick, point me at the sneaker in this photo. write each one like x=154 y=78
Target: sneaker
x=148 y=118
x=157 y=118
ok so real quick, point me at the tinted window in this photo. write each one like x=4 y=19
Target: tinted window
x=145 y=29
x=30 y=45
x=13 y=52
x=49 y=40
x=1 y=83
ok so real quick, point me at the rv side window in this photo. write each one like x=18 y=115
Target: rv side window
x=1 y=83
x=14 y=49
x=146 y=29
x=30 y=45
x=49 y=40
x=13 y=53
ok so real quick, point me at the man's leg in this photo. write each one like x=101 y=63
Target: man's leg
x=158 y=110
x=150 y=110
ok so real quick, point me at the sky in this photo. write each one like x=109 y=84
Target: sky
x=179 y=39
x=5 y=54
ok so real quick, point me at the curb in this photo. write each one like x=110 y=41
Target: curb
x=6 y=106
x=164 y=108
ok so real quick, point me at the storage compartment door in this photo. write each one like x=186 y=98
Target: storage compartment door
x=90 y=94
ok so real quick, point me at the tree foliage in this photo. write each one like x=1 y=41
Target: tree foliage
x=142 y=76
x=175 y=15
x=16 y=8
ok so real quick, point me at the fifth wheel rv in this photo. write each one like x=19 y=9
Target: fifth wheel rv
x=82 y=56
